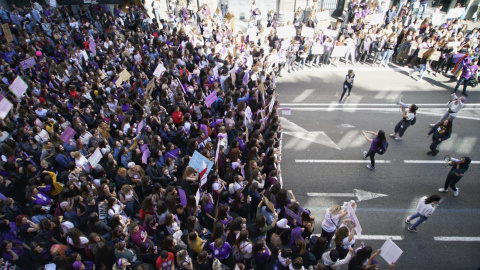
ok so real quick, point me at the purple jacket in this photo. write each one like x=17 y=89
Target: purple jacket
x=41 y=197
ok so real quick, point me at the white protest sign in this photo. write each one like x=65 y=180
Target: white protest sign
x=339 y=51
x=317 y=48
x=436 y=18
x=454 y=13
x=85 y=55
x=159 y=70
x=270 y=106
x=390 y=251
x=287 y=111
x=308 y=32
x=5 y=106
x=330 y=33
x=323 y=16
x=18 y=87
x=377 y=18
x=286 y=31
x=95 y=157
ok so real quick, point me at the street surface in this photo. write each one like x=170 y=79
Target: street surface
x=322 y=160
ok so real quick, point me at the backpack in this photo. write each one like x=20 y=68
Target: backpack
x=383 y=148
x=237 y=254
x=58 y=210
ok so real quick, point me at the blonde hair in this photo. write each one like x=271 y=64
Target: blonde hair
x=335 y=209
x=75 y=154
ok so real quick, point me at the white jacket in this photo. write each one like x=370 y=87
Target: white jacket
x=328 y=262
x=423 y=209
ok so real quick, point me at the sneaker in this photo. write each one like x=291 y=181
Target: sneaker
x=364 y=154
x=412 y=229
x=443 y=190
x=432 y=125
x=393 y=135
x=456 y=192
x=407 y=220
x=410 y=73
x=370 y=167
x=435 y=152
x=398 y=139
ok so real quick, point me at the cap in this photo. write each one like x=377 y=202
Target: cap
x=131 y=165
x=77 y=265
x=38 y=53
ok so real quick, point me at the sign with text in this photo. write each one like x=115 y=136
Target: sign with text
x=5 y=106
x=339 y=51
x=30 y=62
x=308 y=32
x=18 y=87
x=198 y=160
x=68 y=134
x=7 y=33
x=95 y=157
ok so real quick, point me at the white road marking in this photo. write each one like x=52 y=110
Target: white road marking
x=338 y=161
x=314 y=136
x=430 y=161
x=361 y=195
x=456 y=239
x=374 y=237
x=443 y=105
x=304 y=95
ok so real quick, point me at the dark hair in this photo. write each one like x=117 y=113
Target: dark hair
x=433 y=198
x=380 y=138
x=362 y=255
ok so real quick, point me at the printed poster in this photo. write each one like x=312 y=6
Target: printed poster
x=5 y=106
x=198 y=160
x=159 y=70
x=30 y=62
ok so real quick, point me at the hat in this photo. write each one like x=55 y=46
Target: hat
x=334 y=255
x=131 y=165
x=77 y=265
x=38 y=53
x=463 y=99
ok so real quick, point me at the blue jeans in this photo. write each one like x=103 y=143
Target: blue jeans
x=419 y=221
x=423 y=7
x=386 y=56
x=224 y=10
x=422 y=69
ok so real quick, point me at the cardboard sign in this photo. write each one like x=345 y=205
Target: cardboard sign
x=307 y=32
x=44 y=135
x=150 y=85
x=68 y=134
x=339 y=51
x=5 y=106
x=30 y=62
x=18 y=87
x=323 y=24
x=7 y=33
x=211 y=99
x=269 y=204
x=85 y=55
x=159 y=70
x=123 y=76
x=95 y=157
x=455 y=13
x=198 y=160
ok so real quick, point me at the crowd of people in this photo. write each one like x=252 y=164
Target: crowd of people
x=95 y=153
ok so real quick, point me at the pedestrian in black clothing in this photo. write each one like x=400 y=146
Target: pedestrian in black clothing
x=347 y=84
x=456 y=173
x=441 y=132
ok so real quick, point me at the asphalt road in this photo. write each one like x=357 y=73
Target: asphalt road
x=328 y=159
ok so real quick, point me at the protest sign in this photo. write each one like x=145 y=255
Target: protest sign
x=5 y=106
x=339 y=51
x=307 y=32
x=269 y=204
x=318 y=48
x=159 y=70
x=68 y=134
x=145 y=156
x=85 y=55
x=436 y=19
x=390 y=251
x=421 y=52
x=38 y=123
x=93 y=46
x=30 y=62
x=252 y=34
x=323 y=24
x=18 y=87
x=95 y=157
x=44 y=135
x=211 y=99
x=377 y=18
x=7 y=33
x=330 y=33
x=292 y=214
x=323 y=16
x=286 y=31
x=454 y=13
x=286 y=111
x=197 y=161
x=183 y=197
x=150 y=85
x=354 y=219
x=435 y=56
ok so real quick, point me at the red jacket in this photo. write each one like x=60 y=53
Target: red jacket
x=177 y=117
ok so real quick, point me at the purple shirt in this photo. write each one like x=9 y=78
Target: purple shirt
x=468 y=71
x=220 y=253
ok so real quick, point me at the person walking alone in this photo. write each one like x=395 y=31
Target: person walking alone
x=376 y=145
x=425 y=208
x=469 y=72
x=456 y=173
x=441 y=132
x=347 y=84
x=409 y=118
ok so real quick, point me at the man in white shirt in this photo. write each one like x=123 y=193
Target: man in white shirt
x=156 y=9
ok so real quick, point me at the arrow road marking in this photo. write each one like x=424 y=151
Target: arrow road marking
x=297 y=131
x=361 y=195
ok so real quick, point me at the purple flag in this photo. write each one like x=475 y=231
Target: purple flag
x=211 y=98
x=183 y=197
x=93 y=46
x=245 y=78
x=145 y=156
x=291 y=214
x=68 y=134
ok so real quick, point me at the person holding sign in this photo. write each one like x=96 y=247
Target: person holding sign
x=347 y=84
x=425 y=208
x=331 y=222
x=424 y=63
x=469 y=73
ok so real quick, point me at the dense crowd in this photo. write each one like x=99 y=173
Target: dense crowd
x=95 y=154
